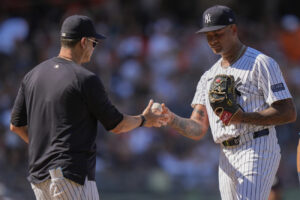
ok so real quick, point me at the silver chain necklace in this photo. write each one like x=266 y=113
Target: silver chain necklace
x=241 y=51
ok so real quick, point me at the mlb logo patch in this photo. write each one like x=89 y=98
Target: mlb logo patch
x=277 y=87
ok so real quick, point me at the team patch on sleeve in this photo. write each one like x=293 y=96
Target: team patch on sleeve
x=277 y=87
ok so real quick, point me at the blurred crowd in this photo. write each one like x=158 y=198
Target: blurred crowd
x=151 y=51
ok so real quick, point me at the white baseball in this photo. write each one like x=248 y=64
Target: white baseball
x=156 y=108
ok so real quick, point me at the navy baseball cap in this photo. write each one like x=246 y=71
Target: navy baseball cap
x=78 y=26
x=217 y=17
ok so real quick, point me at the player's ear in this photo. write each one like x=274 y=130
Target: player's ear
x=234 y=28
x=83 y=42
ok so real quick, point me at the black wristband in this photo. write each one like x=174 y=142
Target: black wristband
x=143 y=120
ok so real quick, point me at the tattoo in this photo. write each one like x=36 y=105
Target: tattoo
x=200 y=112
x=187 y=127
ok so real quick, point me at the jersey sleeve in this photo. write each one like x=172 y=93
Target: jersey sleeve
x=271 y=81
x=99 y=104
x=19 y=113
x=199 y=97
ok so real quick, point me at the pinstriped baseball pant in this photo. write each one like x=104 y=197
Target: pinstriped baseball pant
x=246 y=172
x=61 y=188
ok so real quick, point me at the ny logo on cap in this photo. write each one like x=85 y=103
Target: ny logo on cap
x=207 y=18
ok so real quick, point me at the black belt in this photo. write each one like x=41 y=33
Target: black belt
x=236 y=140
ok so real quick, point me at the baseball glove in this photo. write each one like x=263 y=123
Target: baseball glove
x=222 y=97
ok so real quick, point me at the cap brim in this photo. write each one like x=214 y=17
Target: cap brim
x=99 y=36
x=210 y=28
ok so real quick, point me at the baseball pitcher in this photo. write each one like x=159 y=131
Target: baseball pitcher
x=241 y=97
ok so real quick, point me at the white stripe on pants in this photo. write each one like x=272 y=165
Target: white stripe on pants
x=61 y=188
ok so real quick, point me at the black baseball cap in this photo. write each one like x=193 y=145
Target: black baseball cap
x=217 y=17
x=78 y=26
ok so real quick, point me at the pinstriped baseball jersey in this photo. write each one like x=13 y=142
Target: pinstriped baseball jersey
x=247 y=170
x=260 y=83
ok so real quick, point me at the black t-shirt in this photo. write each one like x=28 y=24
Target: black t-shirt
x=61 y=102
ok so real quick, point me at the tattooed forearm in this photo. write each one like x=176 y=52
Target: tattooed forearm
x=187 y=127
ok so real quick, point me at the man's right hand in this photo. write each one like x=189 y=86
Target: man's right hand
x=194 y=127
x=155 y=120
x=169 y=115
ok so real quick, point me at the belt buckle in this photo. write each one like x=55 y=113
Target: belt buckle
x=232 y=142
x=226 y=143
